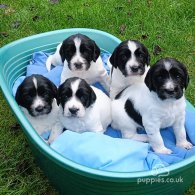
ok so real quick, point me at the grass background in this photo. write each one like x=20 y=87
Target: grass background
x=166 y=27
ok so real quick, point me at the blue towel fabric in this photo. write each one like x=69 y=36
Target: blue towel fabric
x=108 y=151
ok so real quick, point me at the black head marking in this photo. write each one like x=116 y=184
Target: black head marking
x=125 y=51
x=167 y=70
x=84 y=92
x=65 y=91
x=142 y=53
x=88 y=48
x=121 y=51
x=27 y=92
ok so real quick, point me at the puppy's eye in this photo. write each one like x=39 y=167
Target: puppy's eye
x=42 y=93
x=141 y=55
x=26 y=96
x=83 y=98
x=29 y=94
x=178 y=76
x=124 y=57
x=84 y=49
x=160 y=77
x=66 y=97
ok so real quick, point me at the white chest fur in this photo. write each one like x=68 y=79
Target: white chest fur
x=120 y=82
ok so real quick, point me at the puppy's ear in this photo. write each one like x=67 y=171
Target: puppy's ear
x=18 y=96
x=59 y=95
x=113 y=58
x=147 y=57
x=96 y=52
x=187 y=81
x=62 y=51
x=92 y=97
x=148 y=79
x=53 y=89
x=186 y=75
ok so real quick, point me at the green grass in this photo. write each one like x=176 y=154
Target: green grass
x=167 y=23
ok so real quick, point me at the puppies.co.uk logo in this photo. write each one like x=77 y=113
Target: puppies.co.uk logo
x=160 y=174
x=160 y=170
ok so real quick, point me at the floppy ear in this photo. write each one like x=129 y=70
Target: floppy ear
x=58 y=98
x=147 y=57
x=53 y=89
x=148 y=79
x=18 y=96
x=62 y=51
x=96 y=52
x=92 y=97
x=187 y=81
x=113 y=58
x=187 y=78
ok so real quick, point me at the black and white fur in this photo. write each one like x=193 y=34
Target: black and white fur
x=130 y=63
x=80 y=57
x=157 y=103
x=37 y=99
x=83 y=107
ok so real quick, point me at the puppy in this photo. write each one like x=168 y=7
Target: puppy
x=37 y=98
x=81 y=58
x=157 y=103
x=130 y=63
x=83 y=107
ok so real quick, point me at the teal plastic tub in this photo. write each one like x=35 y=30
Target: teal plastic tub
x=69 y=177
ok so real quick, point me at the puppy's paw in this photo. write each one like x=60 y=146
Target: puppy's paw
x=163 y=150
x=185 y=144
x=99 y=131
x=48 y=63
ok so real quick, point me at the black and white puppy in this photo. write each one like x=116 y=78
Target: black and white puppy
x=37 y=98
x=130 y=63
x=83 y=107
x=80 y=57
x=157 y=103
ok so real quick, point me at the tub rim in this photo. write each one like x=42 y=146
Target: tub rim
x=55 y=156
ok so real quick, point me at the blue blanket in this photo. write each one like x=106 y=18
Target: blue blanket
x=107 y=151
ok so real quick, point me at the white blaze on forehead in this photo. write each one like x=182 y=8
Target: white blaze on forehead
x=77 y=58
x=75 y=86
x=132 y=61
x=167 y=65
x=132 y=46
x=37 y=101
x=35 y=82
x=77 y=42
x=74 y=102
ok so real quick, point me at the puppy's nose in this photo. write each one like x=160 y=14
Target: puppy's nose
x=73 y=110
x=39 y=108
x=170 y=91
x=134 y=68
x=78 y=65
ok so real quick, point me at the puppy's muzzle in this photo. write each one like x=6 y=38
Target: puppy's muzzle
x=137 y=70
x=39 y=109
x=134 y=68
x=73 y=111
x=78 y=65
x=171 y=91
